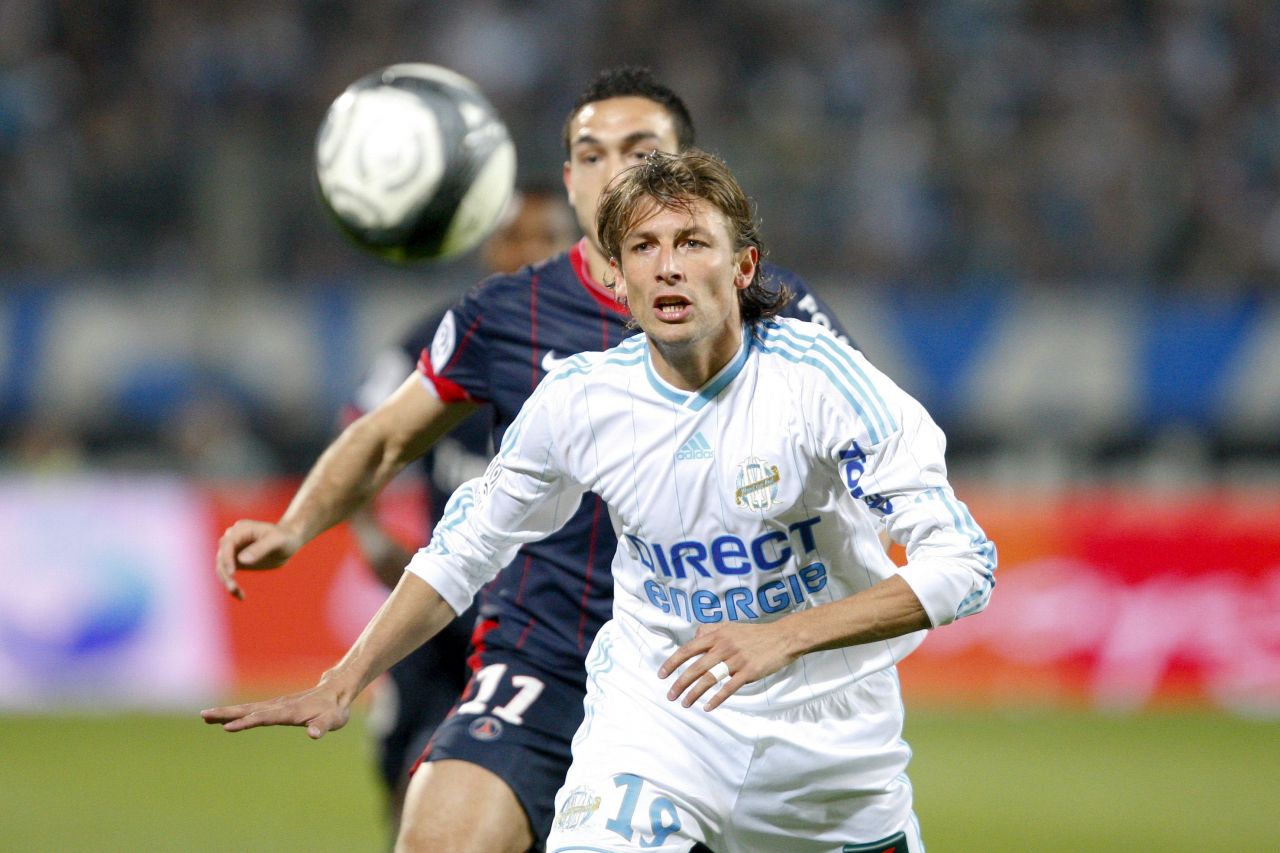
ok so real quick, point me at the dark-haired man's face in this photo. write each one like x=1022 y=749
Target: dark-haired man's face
x=606 y=137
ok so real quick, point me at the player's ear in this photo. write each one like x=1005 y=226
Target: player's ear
x=748 y=259
x=616 y=282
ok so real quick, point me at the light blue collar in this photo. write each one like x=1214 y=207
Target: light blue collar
x=695 y=400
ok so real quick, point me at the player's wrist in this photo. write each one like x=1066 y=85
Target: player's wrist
x=341 y=684
x=294 y=533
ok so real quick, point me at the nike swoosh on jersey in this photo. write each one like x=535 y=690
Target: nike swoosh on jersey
x=549 y=361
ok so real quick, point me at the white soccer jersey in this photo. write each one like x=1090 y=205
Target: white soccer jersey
x=759 y=494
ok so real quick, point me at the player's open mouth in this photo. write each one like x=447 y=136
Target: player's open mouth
x=672 y=307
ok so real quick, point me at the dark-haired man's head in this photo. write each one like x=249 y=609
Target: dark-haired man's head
x=622 y=117
x=629 y=81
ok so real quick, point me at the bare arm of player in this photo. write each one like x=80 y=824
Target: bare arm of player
x=413 y=614
x=351 y=470
x=753 y=651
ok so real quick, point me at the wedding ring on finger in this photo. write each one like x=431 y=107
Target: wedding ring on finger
x=720 y=671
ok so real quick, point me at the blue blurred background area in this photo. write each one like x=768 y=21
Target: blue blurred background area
x=1057 y=223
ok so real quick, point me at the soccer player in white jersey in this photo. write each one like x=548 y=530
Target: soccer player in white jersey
x=748 y=464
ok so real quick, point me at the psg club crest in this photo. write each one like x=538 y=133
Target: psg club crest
x=485 y=728
x=756 y=486
x=443 y=342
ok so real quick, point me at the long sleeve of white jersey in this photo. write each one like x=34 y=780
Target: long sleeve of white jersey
x=523 y=496
x=890 y=454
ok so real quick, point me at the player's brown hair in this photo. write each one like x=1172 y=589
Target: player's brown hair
x=675 y=182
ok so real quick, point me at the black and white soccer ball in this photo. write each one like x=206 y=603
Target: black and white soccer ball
x=413 y=162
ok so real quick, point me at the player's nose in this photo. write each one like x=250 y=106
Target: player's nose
x=669 y=268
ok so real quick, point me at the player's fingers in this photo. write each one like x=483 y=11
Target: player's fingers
x=730 y=687
x=263 y=544
x=229 y=554
x=698 y=689
x=225 y=565
x=691 y=649
x=224 y=714
x=700 y=677
x=321 y=724
x=270 y=714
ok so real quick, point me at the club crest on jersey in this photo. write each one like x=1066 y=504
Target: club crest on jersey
x=442 y=344
x=577 y=809
x=756 y=484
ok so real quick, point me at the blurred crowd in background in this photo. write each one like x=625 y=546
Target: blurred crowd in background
x=934 y=146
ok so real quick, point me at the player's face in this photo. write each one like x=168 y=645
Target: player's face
x=680 y=275
x=606 y=137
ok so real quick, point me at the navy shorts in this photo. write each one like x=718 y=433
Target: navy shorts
x=516 y=720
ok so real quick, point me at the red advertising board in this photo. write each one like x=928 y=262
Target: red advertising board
x=1119 y=599
x=298 y=620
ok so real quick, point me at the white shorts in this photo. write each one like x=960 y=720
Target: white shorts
x=649 y=774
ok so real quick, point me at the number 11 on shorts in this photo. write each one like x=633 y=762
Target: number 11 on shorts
x=487 y=681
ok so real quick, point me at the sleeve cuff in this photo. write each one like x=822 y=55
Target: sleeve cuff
x=456 y=593
x=940 y=592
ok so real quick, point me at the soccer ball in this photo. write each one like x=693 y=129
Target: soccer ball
x=413 y=162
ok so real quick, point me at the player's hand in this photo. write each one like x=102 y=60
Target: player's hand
x=750 y=653
x=252 y=545
x=321 y=709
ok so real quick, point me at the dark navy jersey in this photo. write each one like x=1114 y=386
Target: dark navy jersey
x=494 y=347
x=457 y=457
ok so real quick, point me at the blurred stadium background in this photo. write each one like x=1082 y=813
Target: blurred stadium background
x=1057 y=223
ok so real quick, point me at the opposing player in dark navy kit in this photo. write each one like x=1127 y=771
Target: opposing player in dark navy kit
x=422 y=688
x=488 y=779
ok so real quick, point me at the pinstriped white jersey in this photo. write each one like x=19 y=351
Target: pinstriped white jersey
x=759 y=494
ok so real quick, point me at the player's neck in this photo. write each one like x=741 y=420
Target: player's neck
x=690 y=366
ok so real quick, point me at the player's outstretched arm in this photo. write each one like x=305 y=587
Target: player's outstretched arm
x=744 y=652
x=413 y=614
x=360 y=461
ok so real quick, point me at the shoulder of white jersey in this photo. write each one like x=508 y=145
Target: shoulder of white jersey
x=571 y=375
x=628 y=353
x=816 y=352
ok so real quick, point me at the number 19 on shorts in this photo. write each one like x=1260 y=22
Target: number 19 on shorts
x=635 y=814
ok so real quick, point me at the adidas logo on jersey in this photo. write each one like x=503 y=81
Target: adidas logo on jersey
x=695 y=448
